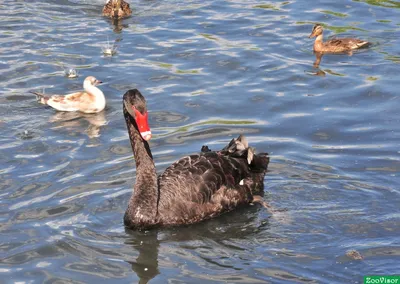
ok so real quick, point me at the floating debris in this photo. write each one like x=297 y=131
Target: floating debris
x=26 y=134
x=354 y=254
x=70 y=73
x=110 y=50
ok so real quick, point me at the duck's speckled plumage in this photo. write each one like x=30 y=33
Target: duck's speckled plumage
x=336 y=45
x=116 y=9
x=196 y=187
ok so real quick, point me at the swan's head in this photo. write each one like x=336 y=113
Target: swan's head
x=316 y=31
x=91 y=81
x=135 y=105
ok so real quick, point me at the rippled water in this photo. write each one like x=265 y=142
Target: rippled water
x=210 y=70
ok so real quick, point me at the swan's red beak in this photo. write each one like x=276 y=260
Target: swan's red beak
x=143 y=124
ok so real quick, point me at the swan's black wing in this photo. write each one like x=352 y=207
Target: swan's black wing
x=204 y=185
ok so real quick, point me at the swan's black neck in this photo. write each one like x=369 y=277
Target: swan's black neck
x=142 y=207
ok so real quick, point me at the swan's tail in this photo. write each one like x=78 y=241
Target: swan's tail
x=240 y=148
x=41 y=98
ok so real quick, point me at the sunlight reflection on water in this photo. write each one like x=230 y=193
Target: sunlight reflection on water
x=210 y=71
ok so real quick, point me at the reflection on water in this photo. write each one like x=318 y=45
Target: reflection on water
x=118 y=25
x=194 y=245
x=146 y=264
x=76 y=120
x=210 y=70
x=318 y=57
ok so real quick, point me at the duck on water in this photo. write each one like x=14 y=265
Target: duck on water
x=116 y=9
x=336 y=45
x=194 y=188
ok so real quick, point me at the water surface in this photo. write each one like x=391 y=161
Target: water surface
x=210 y=70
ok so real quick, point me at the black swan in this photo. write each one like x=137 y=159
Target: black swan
x=196 y=187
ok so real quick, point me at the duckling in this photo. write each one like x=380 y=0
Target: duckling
x=336 y=45
x=116 y=9
x=91 y=100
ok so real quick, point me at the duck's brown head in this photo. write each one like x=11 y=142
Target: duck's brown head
x=116 y=8
x=135 y=106
x=316 y=31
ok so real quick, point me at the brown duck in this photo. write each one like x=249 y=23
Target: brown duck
x=336 y=45
x=116 y=9
x=194 y=188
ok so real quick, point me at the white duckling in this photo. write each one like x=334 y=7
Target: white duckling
x=91 y=100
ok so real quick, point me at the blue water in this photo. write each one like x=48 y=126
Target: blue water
x=210 y=70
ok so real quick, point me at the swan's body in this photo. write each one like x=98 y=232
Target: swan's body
x=91 y=100
x=196 y=187
x=116 y=9
x=337 y=45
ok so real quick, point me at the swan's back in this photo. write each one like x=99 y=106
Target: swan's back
x=204 y=185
